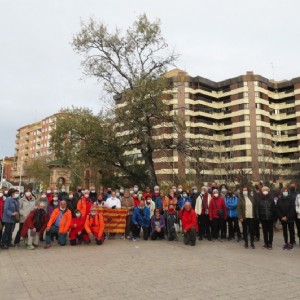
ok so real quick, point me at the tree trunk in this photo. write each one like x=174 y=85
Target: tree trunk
x=147 y=156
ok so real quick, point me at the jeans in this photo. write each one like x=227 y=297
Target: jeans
x=136 y=229
x=248 y=228
x=285 y=227
x=7 y=234
x=233 y=227
x=267 y=226
x=62 y=237
x=190 y=236
x=204 y=226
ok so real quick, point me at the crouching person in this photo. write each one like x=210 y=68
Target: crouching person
x=94 y=226
x=60 y=222
x=171 y=218
x=77 y=226
x=141 y=219
x=34 y=226
x=189 y=224
x=157 y=225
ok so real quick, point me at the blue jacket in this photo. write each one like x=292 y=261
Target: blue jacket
x=158 y=202
x=182 y=201
x=141 y=216
x=10 y=206
x=231 y=203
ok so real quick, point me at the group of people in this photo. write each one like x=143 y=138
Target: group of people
x=214 y=212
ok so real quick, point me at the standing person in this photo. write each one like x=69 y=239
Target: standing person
x=1 y=212
x=247 y=215
x=171 y=220
x=157 y=225
x=26 y=205
x=69 y=200
x=54 y=203
x=286 y=213
x=63 y=195
x=157 y=198
x=94 y=226
x=256 y=194
x=77 y=195
x=170 y=199
x=189 y=224
x=49 y=194
x=265 y=210
x=60 y=222
x=231 y=202
x=140 y=219
x=85 y=203
x=185 y=198
x=217 y=214
x=77 y=226
x=34 y=226
x=10 y=217
x=150 y=203
x=93 y=194
x=113 y=201
x=297 y=217
x=194 y=194
x=127 y=202
x=202 y=211
x=147 y=193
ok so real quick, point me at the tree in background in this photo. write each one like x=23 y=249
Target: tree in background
x=130 y=65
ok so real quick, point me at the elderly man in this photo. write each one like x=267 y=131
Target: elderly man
x=127 y=202
x=189 y=224
x=60 y=222
x=94 y=226
x=141 y=219
x=113 y=201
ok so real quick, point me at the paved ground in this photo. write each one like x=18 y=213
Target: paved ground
x=151 y=269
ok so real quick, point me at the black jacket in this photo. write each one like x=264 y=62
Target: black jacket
x=286 y=208
x=265 y=207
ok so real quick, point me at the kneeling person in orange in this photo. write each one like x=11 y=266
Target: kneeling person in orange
x=60 y=222
x=94 y=225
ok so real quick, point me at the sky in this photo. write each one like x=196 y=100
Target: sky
x=40 y=73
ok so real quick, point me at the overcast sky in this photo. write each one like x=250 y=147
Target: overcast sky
x=40 y=73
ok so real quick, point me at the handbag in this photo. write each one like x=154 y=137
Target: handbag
x=220 y=212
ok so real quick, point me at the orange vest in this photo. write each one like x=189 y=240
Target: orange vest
x=65 y=221
x=94 y=224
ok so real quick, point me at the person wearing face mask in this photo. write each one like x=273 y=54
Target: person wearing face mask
x=1 y=211
x=185 y=198
x=247 y=215
x=85 y=203
x=10 y=217
x=194 y=194
x=202 y=211
x=265 y=210
x=76 y=231
x=113 y=201
x=94 y=226
x=286 y=213
x=127 y=202
x=136 y=196
x=170 y=199
x=297 y=217
x=59 y=223
x=63 y=195
x=150 y=203
x=70 y=203
x=140 y=219
x=34 y=226
x=93 y=194
x=107 y=194
x=217 y=214
x=49 y=195
x=147 y=193
x=171 y=220
x=118 y=195
x=157 y=226
x=26 y=205
x=77 y=195
x=157 y=198
x=53 y=204
x=122 y=191
x=293 y=192
x=223 y=190
x=231 y=202
x=100 y=202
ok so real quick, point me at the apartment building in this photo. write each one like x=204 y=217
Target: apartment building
x=246 y=125
x=32 y=141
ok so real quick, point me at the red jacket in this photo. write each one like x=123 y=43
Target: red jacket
x=79 y=227
x=215 y=205
x=30 y=223
x=49 y=197
x=188 y=219
x=136 y=200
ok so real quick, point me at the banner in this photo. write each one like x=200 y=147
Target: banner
x=114 y=219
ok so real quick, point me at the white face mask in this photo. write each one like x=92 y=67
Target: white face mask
x=62 y=209
x=131 y=192
x=55 y=191
x=55 y=202
x=78 y=215
x=48 y=191
x=265 y=192
x=179 y=190
x=93 y=191
x=216 y=195
x=245 y=193
x=117 y=194
x=1 y=194
x=43 y=196
x=136 y=190
x=285 y=194
x=93 y=213
x=140 y=196
x=174 y=190
x=71 y=196
x=63 y=190
x=27 y=194
x=122 y=191
x=55 y=198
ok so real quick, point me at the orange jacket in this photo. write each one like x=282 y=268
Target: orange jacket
x=65 y=221
x=84 y=206
x=94 y=224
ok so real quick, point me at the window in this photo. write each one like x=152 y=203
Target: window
x=241 y=118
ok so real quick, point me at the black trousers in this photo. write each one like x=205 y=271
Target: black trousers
x=136 y=229
x=291 y=227
x=256 y=229
x=248 y=228
x=189 y=237
x=128 y=225
x=7 y=234
x=160 y=235
x=233 y=227
x=216 y=227
x=172 y=235
x=267 y=226
x=204 y=226
x=18 y=235
x=223 y=229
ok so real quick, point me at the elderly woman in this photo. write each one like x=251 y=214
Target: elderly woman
x=286 y=213
x=265 y=210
